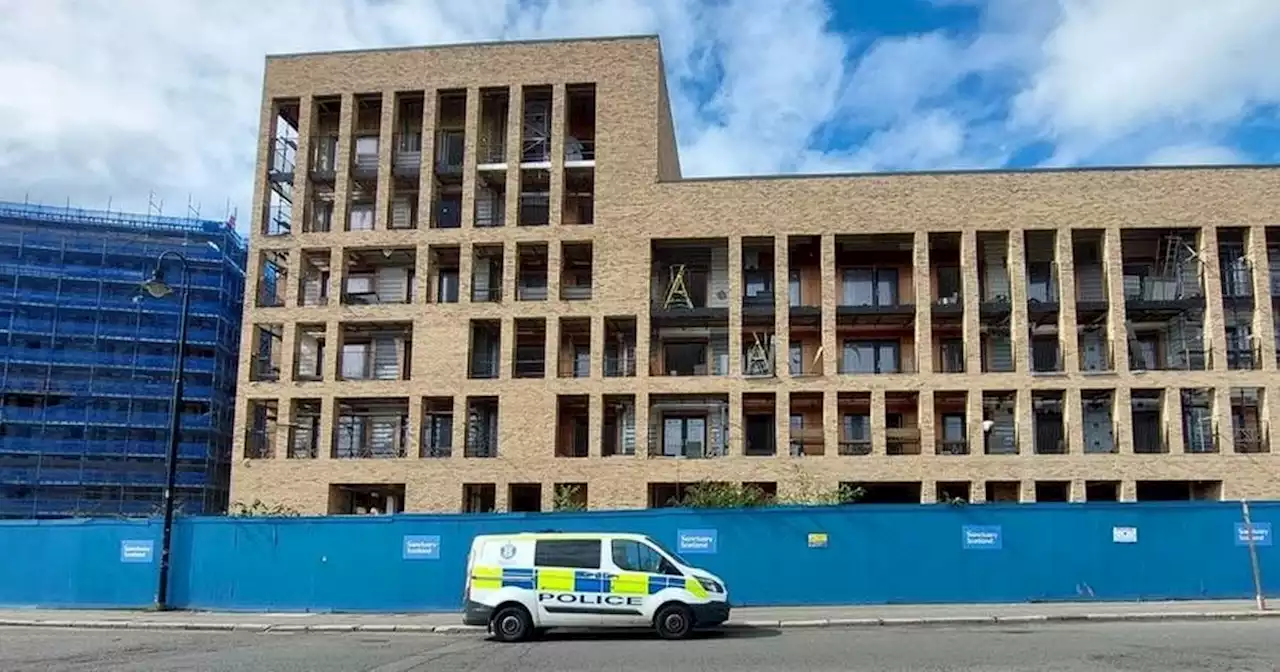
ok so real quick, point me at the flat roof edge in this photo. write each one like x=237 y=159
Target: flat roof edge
x=979 y=171
x=479 y=43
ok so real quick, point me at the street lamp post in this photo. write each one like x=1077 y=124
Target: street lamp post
x=158 y=288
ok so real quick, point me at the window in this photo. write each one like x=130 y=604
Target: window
x=575 y=553
x=361 y=218
x=355 y=361
x=1040 y=282
x=953 y=427
x=359 y=284
x=758 y=283
x=795 y=356
x=447 y=288
x=857 y=427
x=683 y=436
x=366 y=149
x=871 y=357
x=948 y=284
x=871 y=287
x=952 y=351
x=793 y=288
x=633 y=556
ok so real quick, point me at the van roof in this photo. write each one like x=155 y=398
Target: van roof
x=561 y=535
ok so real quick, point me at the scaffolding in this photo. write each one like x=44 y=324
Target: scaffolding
x=86 y=362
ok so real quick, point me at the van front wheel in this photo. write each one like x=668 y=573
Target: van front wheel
x=674 y=621
x=512 y=624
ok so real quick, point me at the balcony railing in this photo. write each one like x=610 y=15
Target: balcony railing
x=530 y=367
x=407 y=152
x=486 y=294
x=303 y=442
x=902 y=446
x=435 y=448
x=264 y=368
x=1244 y=359
x=575 y=292
x=848 y=368
x=483 y=369
x=953 y=447
x=855 y=447
x=492 y=148
x=1249 y=440
x=690 y=449
x=259 y=445
x=802 y=447
x=324 y=156
x=481 y=448
x=579 y=149
x=531 y=292
x=354 y=445
x=619 y=367
x=535 y=209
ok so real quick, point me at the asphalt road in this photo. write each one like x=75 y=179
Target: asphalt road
x=1086 y=647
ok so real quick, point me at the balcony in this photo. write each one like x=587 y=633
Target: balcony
x=855 y=447
x=482 y=427
x=437 y=427
x=688 y=426
x=406 y=153
x=375 y=277
x=260 y=445
x=371 y=429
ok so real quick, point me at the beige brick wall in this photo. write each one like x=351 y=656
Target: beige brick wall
x=639 y=197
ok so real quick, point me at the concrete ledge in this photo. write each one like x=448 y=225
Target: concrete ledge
x=331 y=627
x=854 y=622
x=812 y=623
x=459 y=629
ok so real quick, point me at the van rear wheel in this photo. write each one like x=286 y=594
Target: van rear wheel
x=674 y=621
x=512 y=624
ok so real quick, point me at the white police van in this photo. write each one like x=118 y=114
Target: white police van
x=518 y=585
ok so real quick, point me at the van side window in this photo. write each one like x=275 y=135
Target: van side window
x=632 y=556
x=575 y=553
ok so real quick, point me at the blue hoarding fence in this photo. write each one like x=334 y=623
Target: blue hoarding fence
x=859 y=554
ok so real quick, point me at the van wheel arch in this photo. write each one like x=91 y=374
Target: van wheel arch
x=504 y=610
x=673 y=629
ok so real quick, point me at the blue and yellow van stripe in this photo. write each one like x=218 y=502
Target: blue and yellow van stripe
x=581 y=581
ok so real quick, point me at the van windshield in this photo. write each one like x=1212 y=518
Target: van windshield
x=670 y=554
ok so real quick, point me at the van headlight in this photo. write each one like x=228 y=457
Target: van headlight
x=711 y=586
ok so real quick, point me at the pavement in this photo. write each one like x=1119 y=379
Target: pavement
x=1068 y=646
x=862 y=616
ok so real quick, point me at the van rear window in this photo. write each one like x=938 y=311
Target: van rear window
x=575 y=553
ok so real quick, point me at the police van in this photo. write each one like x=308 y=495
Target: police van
x=519 y=585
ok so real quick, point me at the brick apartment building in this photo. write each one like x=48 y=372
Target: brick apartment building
x=479 y=282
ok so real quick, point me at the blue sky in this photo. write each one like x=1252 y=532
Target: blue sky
x=137 y=101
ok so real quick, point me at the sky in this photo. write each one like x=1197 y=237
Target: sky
x=152 y=105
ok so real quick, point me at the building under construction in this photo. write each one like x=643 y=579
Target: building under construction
x=504 y=295
x=87 y=361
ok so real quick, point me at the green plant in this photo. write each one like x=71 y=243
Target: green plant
x=258 y=508
x=717 y=495
x=568 y=497
x=807 y=492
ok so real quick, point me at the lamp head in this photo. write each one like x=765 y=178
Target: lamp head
x=155 y=285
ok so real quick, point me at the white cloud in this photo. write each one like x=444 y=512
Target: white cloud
x=1111 y=68
x=1194 y=155
x=110 y=101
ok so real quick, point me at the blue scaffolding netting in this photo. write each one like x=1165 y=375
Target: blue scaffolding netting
x=87 y=361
